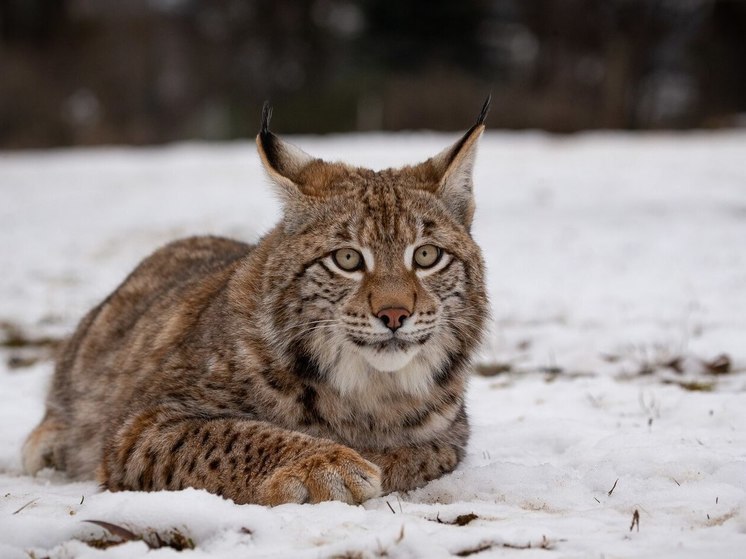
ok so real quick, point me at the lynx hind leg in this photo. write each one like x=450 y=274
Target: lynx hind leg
x=42 y=447
x=328 y=473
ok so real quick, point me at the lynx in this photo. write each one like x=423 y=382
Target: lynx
x=327 y=362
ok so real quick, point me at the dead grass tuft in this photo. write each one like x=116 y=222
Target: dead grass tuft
x=545 y=543
x=693 y=385
x=720 y=365
x=173 y=538
x=460 y=520
x=688 y=371
x=492 y=369
x=26 y=351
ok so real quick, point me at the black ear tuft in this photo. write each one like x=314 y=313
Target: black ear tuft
x=485 y=109
x=283 y=161
x=454 y=150
x=270 y=143
x=266 y=117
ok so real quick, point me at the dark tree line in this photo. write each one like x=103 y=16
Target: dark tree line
x=149 y=71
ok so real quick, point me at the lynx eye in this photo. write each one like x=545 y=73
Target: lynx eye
x=427 y=256
x=348 y=259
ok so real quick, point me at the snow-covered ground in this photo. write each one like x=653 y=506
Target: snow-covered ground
x=617 y=274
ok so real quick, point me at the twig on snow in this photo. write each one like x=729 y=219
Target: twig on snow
x=635 y=520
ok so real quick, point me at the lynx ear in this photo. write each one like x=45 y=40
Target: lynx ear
x=453 y=169
x=283 y=161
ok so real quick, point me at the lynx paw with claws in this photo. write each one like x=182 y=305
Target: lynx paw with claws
x=334 y=473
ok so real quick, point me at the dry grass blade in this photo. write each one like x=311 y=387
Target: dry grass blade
x=477 y=549
x=543 y=544
x=31 y=502
x=115 y=530
x=692 y=386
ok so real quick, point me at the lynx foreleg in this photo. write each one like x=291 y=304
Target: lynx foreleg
x=244 y=460
x=409 y=467
x=412 y=466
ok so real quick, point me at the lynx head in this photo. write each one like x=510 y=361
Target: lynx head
x=375 y=277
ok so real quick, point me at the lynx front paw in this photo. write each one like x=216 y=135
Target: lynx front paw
x=330 y=473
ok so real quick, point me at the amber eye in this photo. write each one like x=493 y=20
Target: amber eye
x=348 y=259
x=427 y=256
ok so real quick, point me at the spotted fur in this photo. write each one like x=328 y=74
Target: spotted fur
x=265 y=372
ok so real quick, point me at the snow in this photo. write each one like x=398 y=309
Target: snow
x=617 y=275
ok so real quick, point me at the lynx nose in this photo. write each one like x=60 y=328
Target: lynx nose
x=393 y=318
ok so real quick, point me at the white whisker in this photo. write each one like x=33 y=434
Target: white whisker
x=308 y=326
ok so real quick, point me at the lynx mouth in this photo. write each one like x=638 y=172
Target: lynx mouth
x=391 y=344
x=389 y=355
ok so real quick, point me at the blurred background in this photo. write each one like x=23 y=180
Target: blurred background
x=86 y=72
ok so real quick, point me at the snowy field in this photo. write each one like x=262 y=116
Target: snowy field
x=612 y=387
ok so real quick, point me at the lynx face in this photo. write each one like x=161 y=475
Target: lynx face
x=387 y=294
x=386 y=280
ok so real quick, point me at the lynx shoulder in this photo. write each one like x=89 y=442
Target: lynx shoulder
x=328 y=361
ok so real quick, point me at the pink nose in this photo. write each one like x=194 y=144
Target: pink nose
x=393 y=318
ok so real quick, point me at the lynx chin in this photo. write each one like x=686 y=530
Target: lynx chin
x=327 y=361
